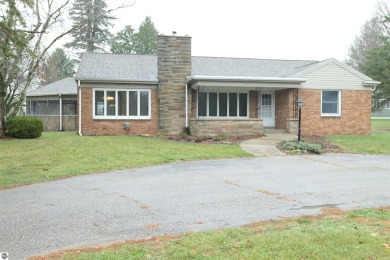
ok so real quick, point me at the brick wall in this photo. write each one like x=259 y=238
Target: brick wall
x=174 y=65
x=282 y=108
x=355 y=113
x=253 y=107
x=92 y=126
x=200 y=127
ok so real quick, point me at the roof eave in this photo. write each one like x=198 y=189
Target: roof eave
x=246 y=79
x=371 y=83
x=128 y=81
x=51 y=94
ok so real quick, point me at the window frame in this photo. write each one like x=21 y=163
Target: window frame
x=127 y=116
x=338 y=114
x=207 y=116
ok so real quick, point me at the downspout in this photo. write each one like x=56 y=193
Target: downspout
x=78 y=85
x=60 y=111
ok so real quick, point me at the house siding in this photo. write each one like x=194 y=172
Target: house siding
x=354 y=118
x=90 y=126
x=333 y=76
x=385 y=113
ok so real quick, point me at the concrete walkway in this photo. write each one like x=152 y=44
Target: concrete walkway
x=266 y=145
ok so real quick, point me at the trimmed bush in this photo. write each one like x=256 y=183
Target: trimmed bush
x=24 y=127
x=301 y=147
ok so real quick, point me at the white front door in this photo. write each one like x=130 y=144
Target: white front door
x=267 y=108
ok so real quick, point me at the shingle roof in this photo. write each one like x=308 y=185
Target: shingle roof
x=125 y=67
x=63 y=86
x=241 y=67
x=117 y=67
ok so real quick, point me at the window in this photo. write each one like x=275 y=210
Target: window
x=387 y=105
x=215 y=104
x=126 y=104
x=330 y=103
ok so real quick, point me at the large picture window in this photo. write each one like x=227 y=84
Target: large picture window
x=330 y=103
x=126 y=104
x=215 y=104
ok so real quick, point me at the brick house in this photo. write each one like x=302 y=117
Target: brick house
x=173 y=91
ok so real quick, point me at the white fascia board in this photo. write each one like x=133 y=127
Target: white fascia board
x=246 y=79
x=129 y=81
x=371 y=83
x=51 y=94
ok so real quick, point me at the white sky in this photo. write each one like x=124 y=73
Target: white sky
x=271 y=29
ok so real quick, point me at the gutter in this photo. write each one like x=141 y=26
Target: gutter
x=52 y=94
x=371 y=83
x=120 y=80
x=247 y=79
x=79 y=88
x=60 y=112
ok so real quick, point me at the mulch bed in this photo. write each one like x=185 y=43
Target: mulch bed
x=227 y=140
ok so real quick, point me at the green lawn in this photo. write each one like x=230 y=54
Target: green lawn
x=380 y=124
x=362 y=234
x=376 y=143
x=61 y=154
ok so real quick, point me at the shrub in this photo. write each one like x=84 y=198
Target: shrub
x=24 y=127
x=301 y=147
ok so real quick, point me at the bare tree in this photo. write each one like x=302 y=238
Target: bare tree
x=25 y=25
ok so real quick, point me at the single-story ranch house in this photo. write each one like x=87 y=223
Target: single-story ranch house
x=173 y=91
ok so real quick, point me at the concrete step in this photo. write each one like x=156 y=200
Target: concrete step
x=274 y=131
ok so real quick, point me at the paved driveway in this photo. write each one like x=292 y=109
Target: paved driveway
x=177 y=198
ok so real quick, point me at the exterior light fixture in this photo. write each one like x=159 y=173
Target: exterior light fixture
x=300 y=104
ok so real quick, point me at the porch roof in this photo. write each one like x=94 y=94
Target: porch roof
x=66 y=86
x=234 y=81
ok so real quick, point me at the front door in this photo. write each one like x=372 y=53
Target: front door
x=267 y=108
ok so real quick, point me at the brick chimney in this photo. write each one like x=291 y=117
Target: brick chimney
x=174 y=65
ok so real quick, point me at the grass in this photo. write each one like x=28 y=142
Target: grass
x=380 y=124
x=376 y=143
x=363 y=234
x=57 y=155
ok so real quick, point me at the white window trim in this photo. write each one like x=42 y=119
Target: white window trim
x=138 y=117
x=338 y=107
x=228 y=107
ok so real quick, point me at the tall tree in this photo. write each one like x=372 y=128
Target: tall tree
x=92 y=21
x=24 y=45
x=370 y=53
x=57 y=66
x=370 y=37
x=13 y=43
x=377 y=66
x=123 y=41
x=146 y=38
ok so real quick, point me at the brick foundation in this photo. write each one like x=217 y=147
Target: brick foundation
x=205 y=127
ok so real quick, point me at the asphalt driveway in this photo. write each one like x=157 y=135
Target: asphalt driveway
x=177 y=198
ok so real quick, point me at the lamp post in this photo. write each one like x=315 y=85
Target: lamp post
x=300 y=103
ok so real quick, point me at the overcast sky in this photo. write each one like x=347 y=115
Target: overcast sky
x=271 y=29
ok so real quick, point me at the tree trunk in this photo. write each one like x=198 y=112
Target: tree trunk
x=2 y=114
